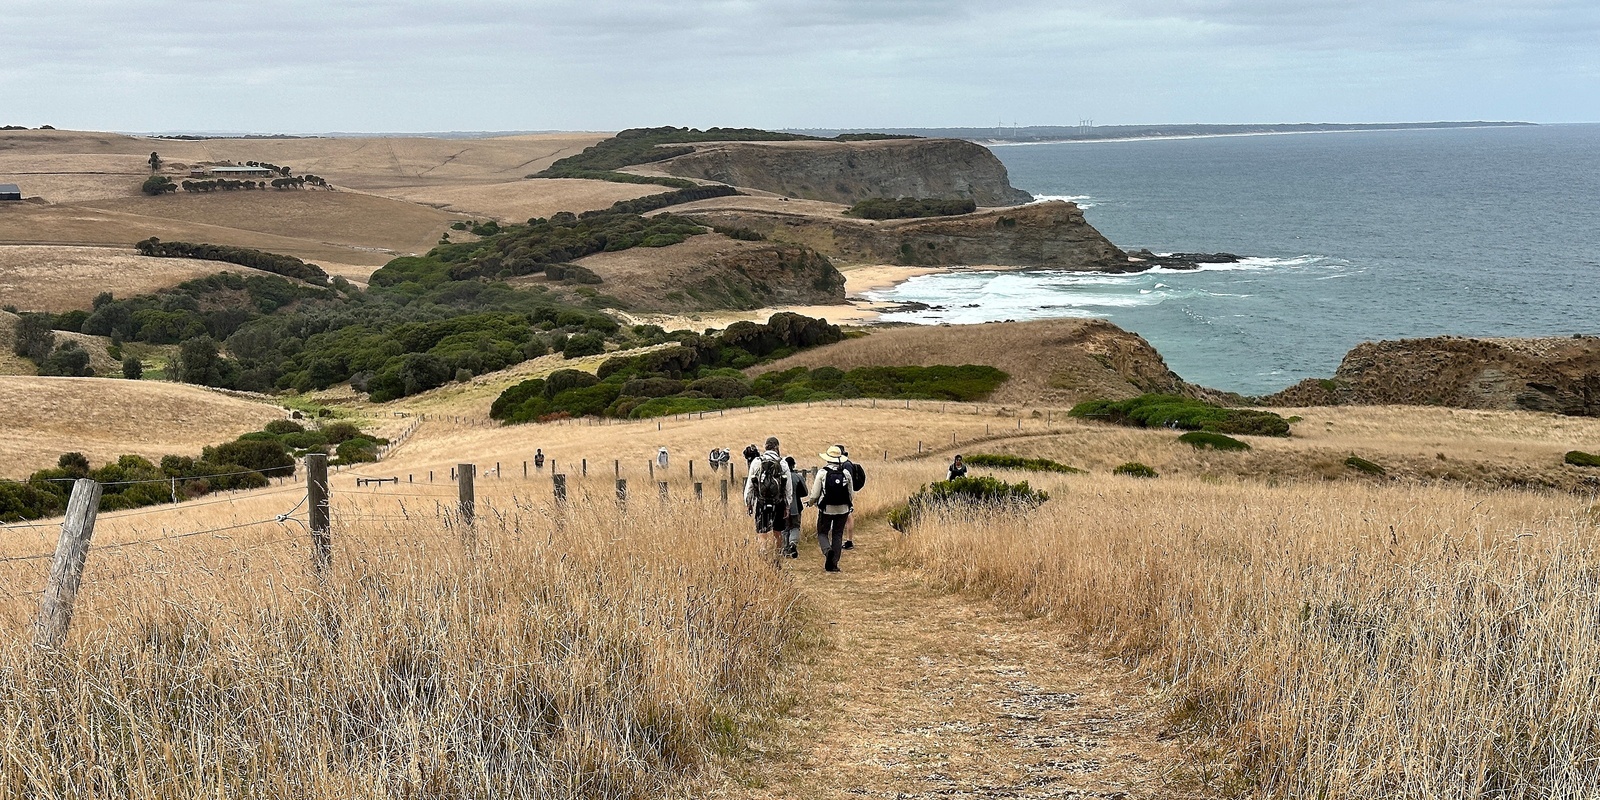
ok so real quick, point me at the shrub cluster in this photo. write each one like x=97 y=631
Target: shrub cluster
x=656 y=202
x=36 y=341
x=157 y=185
x=1216 y=441
x=532 y=248
x=698 y=373
x=1360 y=464
x=910 y=207
x=995 y=461
x=1578 y=458
x=134 y=481
x=275 y=263
x=1185 y=413
x=1134 y=469
x=966 y=494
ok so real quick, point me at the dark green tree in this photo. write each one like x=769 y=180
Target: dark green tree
x=198 y=361
x=132 y=368
x=34 y=339
x=69 y=360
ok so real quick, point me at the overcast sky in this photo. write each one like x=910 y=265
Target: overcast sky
x=438 y=65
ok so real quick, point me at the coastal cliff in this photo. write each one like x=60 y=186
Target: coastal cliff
x=847 y=172
x=1558 y=375
x=1050 y=235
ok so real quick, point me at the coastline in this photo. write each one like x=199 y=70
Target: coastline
x=1179 y=136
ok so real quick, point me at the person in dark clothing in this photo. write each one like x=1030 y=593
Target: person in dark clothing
x=767 y=494
x=797 y=501
x=957 y=469
x=833 y=494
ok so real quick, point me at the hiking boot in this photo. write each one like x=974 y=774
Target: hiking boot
x=832 y=569
x=849 y=545
x=792 y=551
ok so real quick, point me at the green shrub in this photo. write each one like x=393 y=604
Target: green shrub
x=1363 y=465
x=340 y=432
x=1216 y=441
x=584 y=344
x=1134 y=469
x=971 y=493
x=910 y=207
x=995 y=461
x=1159 y=410
x=282 y=426
x=1578 y=458
x=356 y=451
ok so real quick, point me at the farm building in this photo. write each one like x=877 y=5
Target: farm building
x=10 y=191
x=241 y=172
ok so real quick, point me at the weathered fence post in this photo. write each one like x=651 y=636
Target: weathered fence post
x=724 y=491
x=691 y=469
x=919 y=447
x=66 y=571
x=560 y=482
x=467 y=501
x=616 y=465
x=622 y=491
x=524 y=470
x=699 y=491
x=497 y=470
x=430 y=476
x=317 y=500
x=652 y=465
x=586 y=468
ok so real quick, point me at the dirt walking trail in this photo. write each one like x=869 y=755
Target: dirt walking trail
x=921 y=694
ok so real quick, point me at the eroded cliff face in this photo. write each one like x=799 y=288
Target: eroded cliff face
x=1050 y=235
x=846 y=172
x=1554 y=375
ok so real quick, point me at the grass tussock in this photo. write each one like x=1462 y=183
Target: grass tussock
x=604 y=655
x=1340 y=640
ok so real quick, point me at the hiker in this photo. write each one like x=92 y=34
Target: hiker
x=957 y=469
x=717 y=458
x=538 y=459
x=766 y=496
x=661 y=457
x=797 y=500
x=751 y=453
x=834 y=498
x=858 y=479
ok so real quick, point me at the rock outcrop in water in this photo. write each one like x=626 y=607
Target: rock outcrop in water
x=847 y=172
x=1559 y=375
x=1050 y=235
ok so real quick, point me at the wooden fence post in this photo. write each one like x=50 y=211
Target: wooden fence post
x=616 y=466
x=560 y=482
x=691 y=469
x=725 y=490
x=699 y=491
x=467 y=501
x=317 y=500
x=524 y=470
x=66 y=571
x=622 y=491
x=586 y=468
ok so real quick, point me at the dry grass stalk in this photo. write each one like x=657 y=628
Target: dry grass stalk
x=544 y=653
x=1342 y=640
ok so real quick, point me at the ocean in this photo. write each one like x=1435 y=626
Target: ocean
x=1347 y=237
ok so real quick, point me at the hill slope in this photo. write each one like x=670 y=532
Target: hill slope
x=1058 y=361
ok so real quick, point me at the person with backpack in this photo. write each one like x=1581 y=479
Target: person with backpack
x=767 y=496
x=957 y=469
x=538 y=459
x=833 y=494
x=797 y=500
x=858 y=479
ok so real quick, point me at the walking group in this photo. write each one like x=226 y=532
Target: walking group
x=775 y=493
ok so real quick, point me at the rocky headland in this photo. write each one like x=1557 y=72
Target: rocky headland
x=847 y=172
x=1557 y=375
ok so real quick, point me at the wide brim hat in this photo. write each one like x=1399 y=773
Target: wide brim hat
x=833 y=456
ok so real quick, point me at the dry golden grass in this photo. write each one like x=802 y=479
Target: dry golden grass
x=349 y=219
x=542 y=653
x=57 y=279
x=104 y=418
x=521 y=200
x=1339 y=640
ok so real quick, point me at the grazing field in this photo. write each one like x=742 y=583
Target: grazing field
x=103 y=418
x=521 y=200
x=57 y=279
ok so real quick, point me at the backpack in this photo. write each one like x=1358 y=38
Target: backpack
x=835 y=488
x=858 y=476
x=771 y=489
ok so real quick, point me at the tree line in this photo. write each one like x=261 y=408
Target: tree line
x=276 y=263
